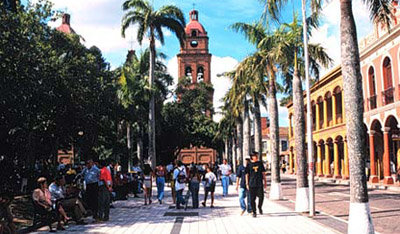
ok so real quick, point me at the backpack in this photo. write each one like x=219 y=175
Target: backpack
x=181 y=178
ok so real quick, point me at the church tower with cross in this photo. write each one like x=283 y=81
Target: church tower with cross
x=194 y=59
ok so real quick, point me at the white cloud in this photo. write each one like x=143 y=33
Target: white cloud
x=99 y=23
x=328 y=34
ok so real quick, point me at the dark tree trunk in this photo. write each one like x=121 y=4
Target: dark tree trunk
x=353 y=101
x=360 y=220
x=152 y=121
x=128 y=145
x=139 y=146
x=257 y=127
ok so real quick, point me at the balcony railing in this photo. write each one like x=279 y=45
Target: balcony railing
x=387 y=96
x=372 y=102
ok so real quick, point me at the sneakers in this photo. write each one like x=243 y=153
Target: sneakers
x=241 y=213
x=260 y=211
x=254 y=215
x=204 y=204
x=212 y=206
x=160 y=201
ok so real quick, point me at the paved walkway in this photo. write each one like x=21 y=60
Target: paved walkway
x=333 y=199
x=133 y=217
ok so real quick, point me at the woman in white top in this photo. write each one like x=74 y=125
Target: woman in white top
x=147 y=183
x=210 y=180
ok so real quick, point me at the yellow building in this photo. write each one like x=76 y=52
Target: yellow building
x=329 y=130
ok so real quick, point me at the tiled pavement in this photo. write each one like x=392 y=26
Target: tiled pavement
x=133 y=217
x=333 y=201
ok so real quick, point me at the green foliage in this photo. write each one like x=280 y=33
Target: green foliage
x=185 y=121
x=51 y=88
x=151 y=21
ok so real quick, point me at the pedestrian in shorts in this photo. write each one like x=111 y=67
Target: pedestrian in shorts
x=209 y=186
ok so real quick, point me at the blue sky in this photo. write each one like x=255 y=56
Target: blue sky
x=98 y=21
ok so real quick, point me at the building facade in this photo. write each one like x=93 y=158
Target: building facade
x=194 y=62
x=380 y=57
x=266 y=141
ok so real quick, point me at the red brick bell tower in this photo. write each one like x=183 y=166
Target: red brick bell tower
x=194 y=59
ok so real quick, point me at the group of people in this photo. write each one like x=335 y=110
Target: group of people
x=250 y=183
x=71 y=201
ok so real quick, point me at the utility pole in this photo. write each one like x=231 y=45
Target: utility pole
x=309 y=116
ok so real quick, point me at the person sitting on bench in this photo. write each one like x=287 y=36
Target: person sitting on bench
x=60 y=198
x=43 y=206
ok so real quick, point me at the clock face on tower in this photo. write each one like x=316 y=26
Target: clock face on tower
x=194 y=43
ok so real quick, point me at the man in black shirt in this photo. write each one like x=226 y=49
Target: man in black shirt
x=256 y=182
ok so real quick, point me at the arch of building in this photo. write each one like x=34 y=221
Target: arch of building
x=330 y=157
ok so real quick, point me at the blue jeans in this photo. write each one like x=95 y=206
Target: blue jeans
x=179 y=199
x=194 y=189
x=225 y=185
x=160 y=187
x=243 y=193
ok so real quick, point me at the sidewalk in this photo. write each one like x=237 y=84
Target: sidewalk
x=133 y=217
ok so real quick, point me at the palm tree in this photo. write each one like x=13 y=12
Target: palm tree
x=151 y=22
x=133 y=96
x=264 y=63
x=233 y=100
x=291 y=51
x=134 y=93
x=360 y=220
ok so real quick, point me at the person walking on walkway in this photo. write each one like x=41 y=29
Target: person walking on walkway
x=105 y=189
x=147 y=183
x=256 y=182
x=180 y=180
x=160 y=180
x=226 y=170
x=194 y=186
x=241 y=187
x=210 y=181
x=91 y=175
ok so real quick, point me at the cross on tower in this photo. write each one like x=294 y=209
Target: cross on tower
x=131 y=42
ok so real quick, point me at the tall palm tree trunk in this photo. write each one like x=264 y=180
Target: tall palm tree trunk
x=257 y=127
x=128 y=145
x=239 y=140
x=152 y=121
x=246 y=131
x=226 y=149
x=139 y=146
x=360 y=220
x=276 y=189
x=302 y=202
x=234 y=158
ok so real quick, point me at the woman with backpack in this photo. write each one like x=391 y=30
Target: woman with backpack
x=180 y=180
x=210 y=181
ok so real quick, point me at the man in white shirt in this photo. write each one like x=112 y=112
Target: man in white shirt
x=225 y=169
x=180 y=180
